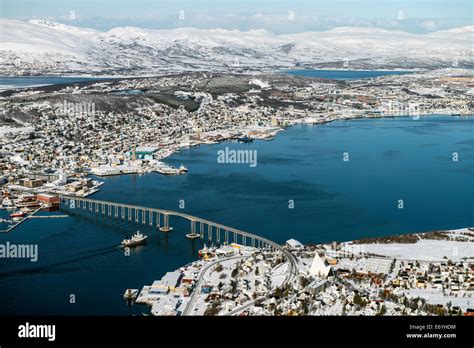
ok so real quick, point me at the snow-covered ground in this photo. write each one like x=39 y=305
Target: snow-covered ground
x=36 y=44
x=436 y=297
x=6 y=129
x=424 y=249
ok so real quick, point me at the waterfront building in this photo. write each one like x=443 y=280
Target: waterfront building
x=294 y=244
x=143 y=152
x=47 y=198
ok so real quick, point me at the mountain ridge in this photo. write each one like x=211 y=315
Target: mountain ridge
x=45 y=47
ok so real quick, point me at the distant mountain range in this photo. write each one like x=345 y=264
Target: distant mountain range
x=43 y=47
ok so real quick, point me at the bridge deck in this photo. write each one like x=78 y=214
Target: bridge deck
x=288 y=255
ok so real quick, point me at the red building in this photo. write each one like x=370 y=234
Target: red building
x=47 y=198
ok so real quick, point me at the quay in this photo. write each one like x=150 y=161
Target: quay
x=11 y=228
x=49 y=216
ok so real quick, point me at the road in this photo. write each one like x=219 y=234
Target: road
x=293 y=271
x=107 y=205
x=190 y=306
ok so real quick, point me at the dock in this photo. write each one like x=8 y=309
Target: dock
x=49 y=216
x=11 y=228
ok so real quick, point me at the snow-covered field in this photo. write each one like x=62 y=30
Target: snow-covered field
x=424 y=249
x=436 y=297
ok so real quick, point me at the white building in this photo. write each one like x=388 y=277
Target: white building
x=318 y=268
x=294 y=244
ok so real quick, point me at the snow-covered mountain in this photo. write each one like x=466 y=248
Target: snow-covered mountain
x=45 y=47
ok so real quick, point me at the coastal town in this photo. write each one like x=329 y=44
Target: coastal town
x=333 y=279
x=55 y=138
x=300 y=166
x=60 y=140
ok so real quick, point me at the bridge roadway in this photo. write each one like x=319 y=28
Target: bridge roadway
x=293 y=269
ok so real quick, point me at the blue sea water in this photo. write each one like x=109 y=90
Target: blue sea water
x=7 y=82
x=390 y=159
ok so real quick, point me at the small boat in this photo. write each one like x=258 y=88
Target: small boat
x=7 y=203
x=17 y=214
x=245 y=139
x=182 y=169
x=130 y=293
x=137 y=239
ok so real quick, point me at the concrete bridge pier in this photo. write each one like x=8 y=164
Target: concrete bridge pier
x=143 y=217
x=209 y=232
x=193 y=234
x=166 y=226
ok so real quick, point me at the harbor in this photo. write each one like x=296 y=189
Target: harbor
x=23 y=207
x=88 y=247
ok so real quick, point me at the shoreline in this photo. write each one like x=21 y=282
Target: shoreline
x=273 y=131
x=194 y=282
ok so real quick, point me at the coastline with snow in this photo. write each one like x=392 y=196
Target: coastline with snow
x=455 y=245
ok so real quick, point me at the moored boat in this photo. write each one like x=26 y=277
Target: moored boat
x=18 y=214
x=245 y=139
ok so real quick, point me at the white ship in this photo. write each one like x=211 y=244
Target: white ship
x=137 y=239
x=7 y=204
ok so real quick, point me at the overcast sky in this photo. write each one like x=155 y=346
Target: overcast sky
x=278 y=16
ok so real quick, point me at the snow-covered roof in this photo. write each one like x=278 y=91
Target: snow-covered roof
x=293 y=243
x=318 y=268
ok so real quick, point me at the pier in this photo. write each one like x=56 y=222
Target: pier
x=48 y=216
x=11 y=228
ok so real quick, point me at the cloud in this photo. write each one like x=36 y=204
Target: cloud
x=275 y=22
